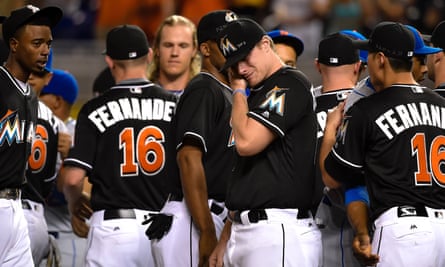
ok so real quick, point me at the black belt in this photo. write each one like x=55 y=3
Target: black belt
x=214 y=208
x=26 y=205
x=260 y=215
x=119 y=214
x=10 y=193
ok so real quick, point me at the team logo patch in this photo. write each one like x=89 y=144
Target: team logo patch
x=341 y=133
x=10 y=128
x=275 y=100
x=226 y=46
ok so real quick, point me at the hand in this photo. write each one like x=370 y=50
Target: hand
x=160 y=225
x=217 y=257
x=361 y=246
x=335 y=117
x=207 y=243
x=236 y=80
x=81 y=211
x=64 y=144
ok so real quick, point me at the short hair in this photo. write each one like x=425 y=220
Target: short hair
x=400 y=65
x=195 y=66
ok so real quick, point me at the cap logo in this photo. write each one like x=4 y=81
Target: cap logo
x=230 y=16
x=132 y=55
x=226 y=46
x=410 y=53
x=34 y=9
x=333 y=60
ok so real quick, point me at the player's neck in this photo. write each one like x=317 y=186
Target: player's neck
x=174 y=83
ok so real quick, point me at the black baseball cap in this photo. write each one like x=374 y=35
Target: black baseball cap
x=211 y=24
x=438 y=35
x=238 y=38
x=391 y=38
x=284 y=37
x=337 y=49
x=29 y=14
x=126 y=42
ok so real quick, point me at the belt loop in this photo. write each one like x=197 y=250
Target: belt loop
x=244 y=217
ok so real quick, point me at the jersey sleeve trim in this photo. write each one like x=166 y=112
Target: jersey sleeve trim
x=76 y=162
x=345 y=161
x=50 y=178
x=196 y=136
x=267 y=123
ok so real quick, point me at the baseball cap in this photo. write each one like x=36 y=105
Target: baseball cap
x=363 y=54
x=337 y=49
x=212 y=23
x=62 y=84
x=103 y=81
x=126 y=42
x=391 y=38
x=284 y=37
x=238 y=38
x=438 y=35
x=49 y=63
x=29 y=14
x=420 y=48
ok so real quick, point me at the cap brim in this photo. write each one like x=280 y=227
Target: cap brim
x=234 y=59
x=295 y=42
x=361 y=44
x=426 y=38
x=426 y=50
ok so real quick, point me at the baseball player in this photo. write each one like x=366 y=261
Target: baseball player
x=59 y=95
x=396 y=124
x=339 y=64
x=288 y=46
x=436 y=62
x=120 y=143
x=204 y=155
x=41 y=172
x=27 y=31
x=269 y=192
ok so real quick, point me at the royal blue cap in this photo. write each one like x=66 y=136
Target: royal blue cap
x=363 y=54
x=49 y=63
x=62 y=84
x=280 y=36
x=420 y=47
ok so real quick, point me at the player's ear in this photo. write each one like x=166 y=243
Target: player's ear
x=317 y=65
x=204 y=49
x=109 y=62
x=150 y=55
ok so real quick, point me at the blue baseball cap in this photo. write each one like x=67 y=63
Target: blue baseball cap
x=62 y=84
x=280 y=36
x=49 y=63
x=420 y=47
x=363 y=54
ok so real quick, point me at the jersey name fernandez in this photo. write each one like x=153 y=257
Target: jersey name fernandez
x=131 y=108
x=396 y=120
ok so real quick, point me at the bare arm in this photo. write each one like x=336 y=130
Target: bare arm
x=358 y=218
x=217 y=257
x=329 y=138
x=195 y=193
x=72 y=184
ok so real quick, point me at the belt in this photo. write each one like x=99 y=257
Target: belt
x=214 y=208
x=257 y=215
x=26 y=205
x=408 y=211
x=10 y=193
x=119 y=214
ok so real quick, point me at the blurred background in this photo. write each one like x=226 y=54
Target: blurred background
x=79 y=38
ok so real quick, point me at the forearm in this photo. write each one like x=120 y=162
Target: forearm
x=72 y=184
x=358 y=217
x=240 y=119
x=194 y=187
x=326 y=147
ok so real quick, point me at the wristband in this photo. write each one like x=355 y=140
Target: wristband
x=358 y=193
x=242 y=91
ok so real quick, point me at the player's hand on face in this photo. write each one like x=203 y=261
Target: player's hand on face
x=236 y=80
x=64 y=144
x=361 y=245
x=335 y=117
x=207 y=243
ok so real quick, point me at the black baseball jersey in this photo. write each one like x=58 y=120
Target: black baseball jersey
x=440 y=89
x=325 y=103
x=18 y=116
x=41 y=171
x=121 y=142
x=282 y=175
x=203 y=119
x=395 y=138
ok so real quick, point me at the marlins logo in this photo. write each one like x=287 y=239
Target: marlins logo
x=226 y=46
x=10 y=129
x=341 y=134
x=275 y=102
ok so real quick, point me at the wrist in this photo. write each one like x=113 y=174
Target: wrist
x=241 y=91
